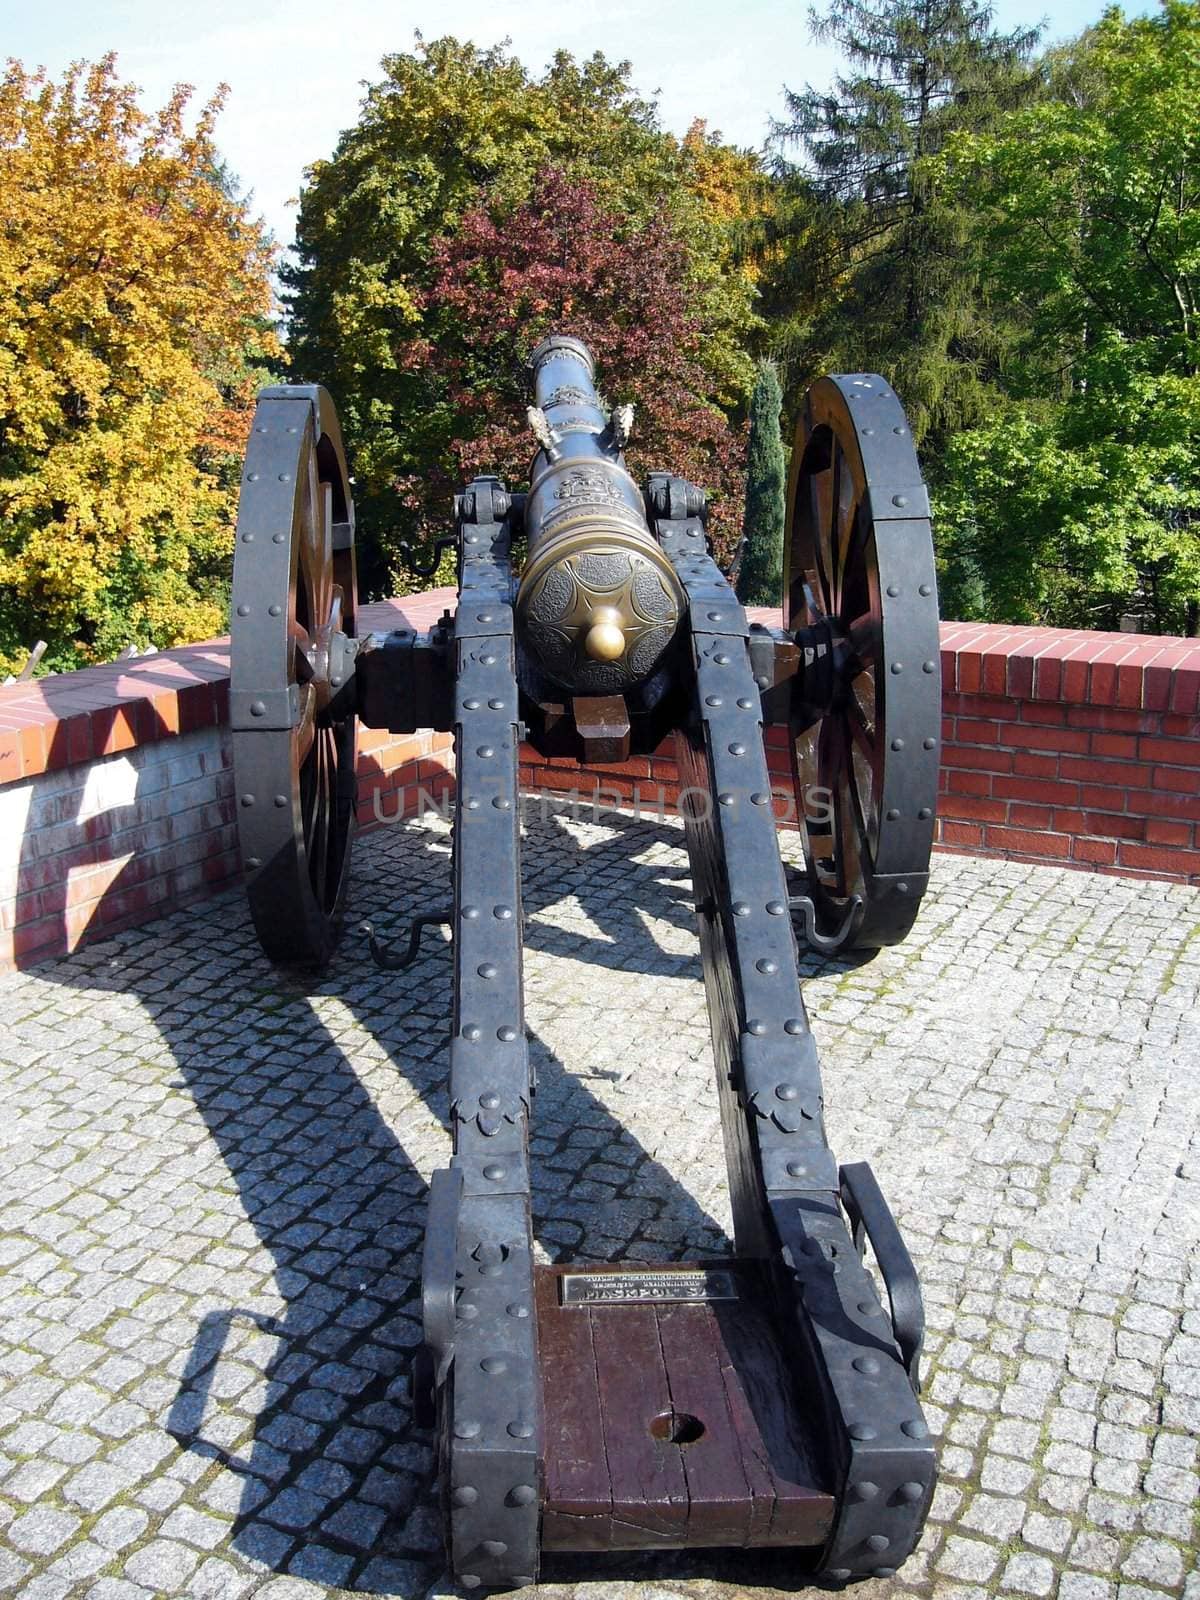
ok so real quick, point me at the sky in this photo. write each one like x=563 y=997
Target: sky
x=295 y=68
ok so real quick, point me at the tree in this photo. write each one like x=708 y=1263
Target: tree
x=1081 y=501
x=451 y=130
x=760 y=579
x=878 y=276
x=133 y=322
x=563 y=261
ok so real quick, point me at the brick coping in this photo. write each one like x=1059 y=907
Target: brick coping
x=75 y=717
x=62 y=721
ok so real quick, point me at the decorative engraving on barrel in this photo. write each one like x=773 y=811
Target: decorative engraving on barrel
x=555 y=646
x=650 y=597
x=645 y=651
x=554 y=597
x=566 y=352
x=564 y=603
x=560 y=516
x=594 y=488
x=568 y=394
x=603 y=572
x=598 y=677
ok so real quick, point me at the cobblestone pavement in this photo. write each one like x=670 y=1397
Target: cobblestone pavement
x=212 y=1188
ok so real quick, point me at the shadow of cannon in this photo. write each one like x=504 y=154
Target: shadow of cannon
x=292 y=1401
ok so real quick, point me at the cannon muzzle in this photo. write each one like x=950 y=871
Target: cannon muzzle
x=599 y=602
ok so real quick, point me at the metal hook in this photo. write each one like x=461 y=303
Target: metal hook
x=827 y=943
x=384 y=956
x=427 y=569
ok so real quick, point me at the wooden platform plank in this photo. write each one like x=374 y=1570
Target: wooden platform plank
x=720 y=1501
x=577 y=1514
x=756 y=1462
x=648 y=1486
x=774 y=1434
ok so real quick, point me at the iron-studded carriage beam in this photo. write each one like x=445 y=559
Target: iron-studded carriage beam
x=785 y=1184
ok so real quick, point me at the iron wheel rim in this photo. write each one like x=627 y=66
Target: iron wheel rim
x=860 y=587
x=294 y=606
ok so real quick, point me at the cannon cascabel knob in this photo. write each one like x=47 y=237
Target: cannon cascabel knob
x=605 y=639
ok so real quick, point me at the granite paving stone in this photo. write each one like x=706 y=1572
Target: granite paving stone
x=212 y=1182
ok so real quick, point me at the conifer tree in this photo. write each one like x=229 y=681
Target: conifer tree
x=760 y=579
x=881 y=276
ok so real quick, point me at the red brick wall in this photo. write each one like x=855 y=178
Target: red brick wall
x=1078 y=748
x=116 y=791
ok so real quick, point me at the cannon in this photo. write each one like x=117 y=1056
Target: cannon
x=770 y=1399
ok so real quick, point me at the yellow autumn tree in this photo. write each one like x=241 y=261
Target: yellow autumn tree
x=134 y=330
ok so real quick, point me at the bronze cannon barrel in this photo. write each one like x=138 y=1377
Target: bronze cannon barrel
x=598 y=601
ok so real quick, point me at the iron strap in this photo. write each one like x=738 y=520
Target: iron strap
x=778 y=1075
x=491 y=1403
x=784 y=1179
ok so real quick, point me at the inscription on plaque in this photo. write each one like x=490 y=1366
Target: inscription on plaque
x=633 y=1288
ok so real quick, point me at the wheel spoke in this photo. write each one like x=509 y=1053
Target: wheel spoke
x=308 y=791
x=838 y=780
x=862 y=688
x=866 y=637
x=323 y=832
x=306 y=727
x=312 y=576
x=318 y=532
x=862 y=732
x=306 y=577
x=833 y=519
x=317 y=779
x=338 y=815
x=847 y=534
x=850 y=831
x=855 y=835
x=812 y=604
x=811 y=810
x=302 y=667
x=835 y=777
x=821 y=512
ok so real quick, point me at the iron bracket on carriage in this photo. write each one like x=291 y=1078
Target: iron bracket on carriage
x=770 y=1399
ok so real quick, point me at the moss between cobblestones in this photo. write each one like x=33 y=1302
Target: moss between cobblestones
x=1175 y=960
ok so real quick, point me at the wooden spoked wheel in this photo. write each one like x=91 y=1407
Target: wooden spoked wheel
x=292 y=656
x=861 y=597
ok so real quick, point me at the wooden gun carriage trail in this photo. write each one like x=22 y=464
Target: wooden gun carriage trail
x=770 y=1399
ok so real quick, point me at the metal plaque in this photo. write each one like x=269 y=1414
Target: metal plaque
x=636 y=1288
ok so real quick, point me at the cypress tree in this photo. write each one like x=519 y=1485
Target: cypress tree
x=760 y=579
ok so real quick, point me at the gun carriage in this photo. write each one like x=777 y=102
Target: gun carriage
x=770 y=1399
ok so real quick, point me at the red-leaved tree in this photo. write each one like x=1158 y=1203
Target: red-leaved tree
x=563 y=263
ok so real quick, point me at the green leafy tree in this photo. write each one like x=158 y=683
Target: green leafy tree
x=448 y=130
x=1080 y=500
x=878 y=275
x=760 y=577
x=134 y=301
